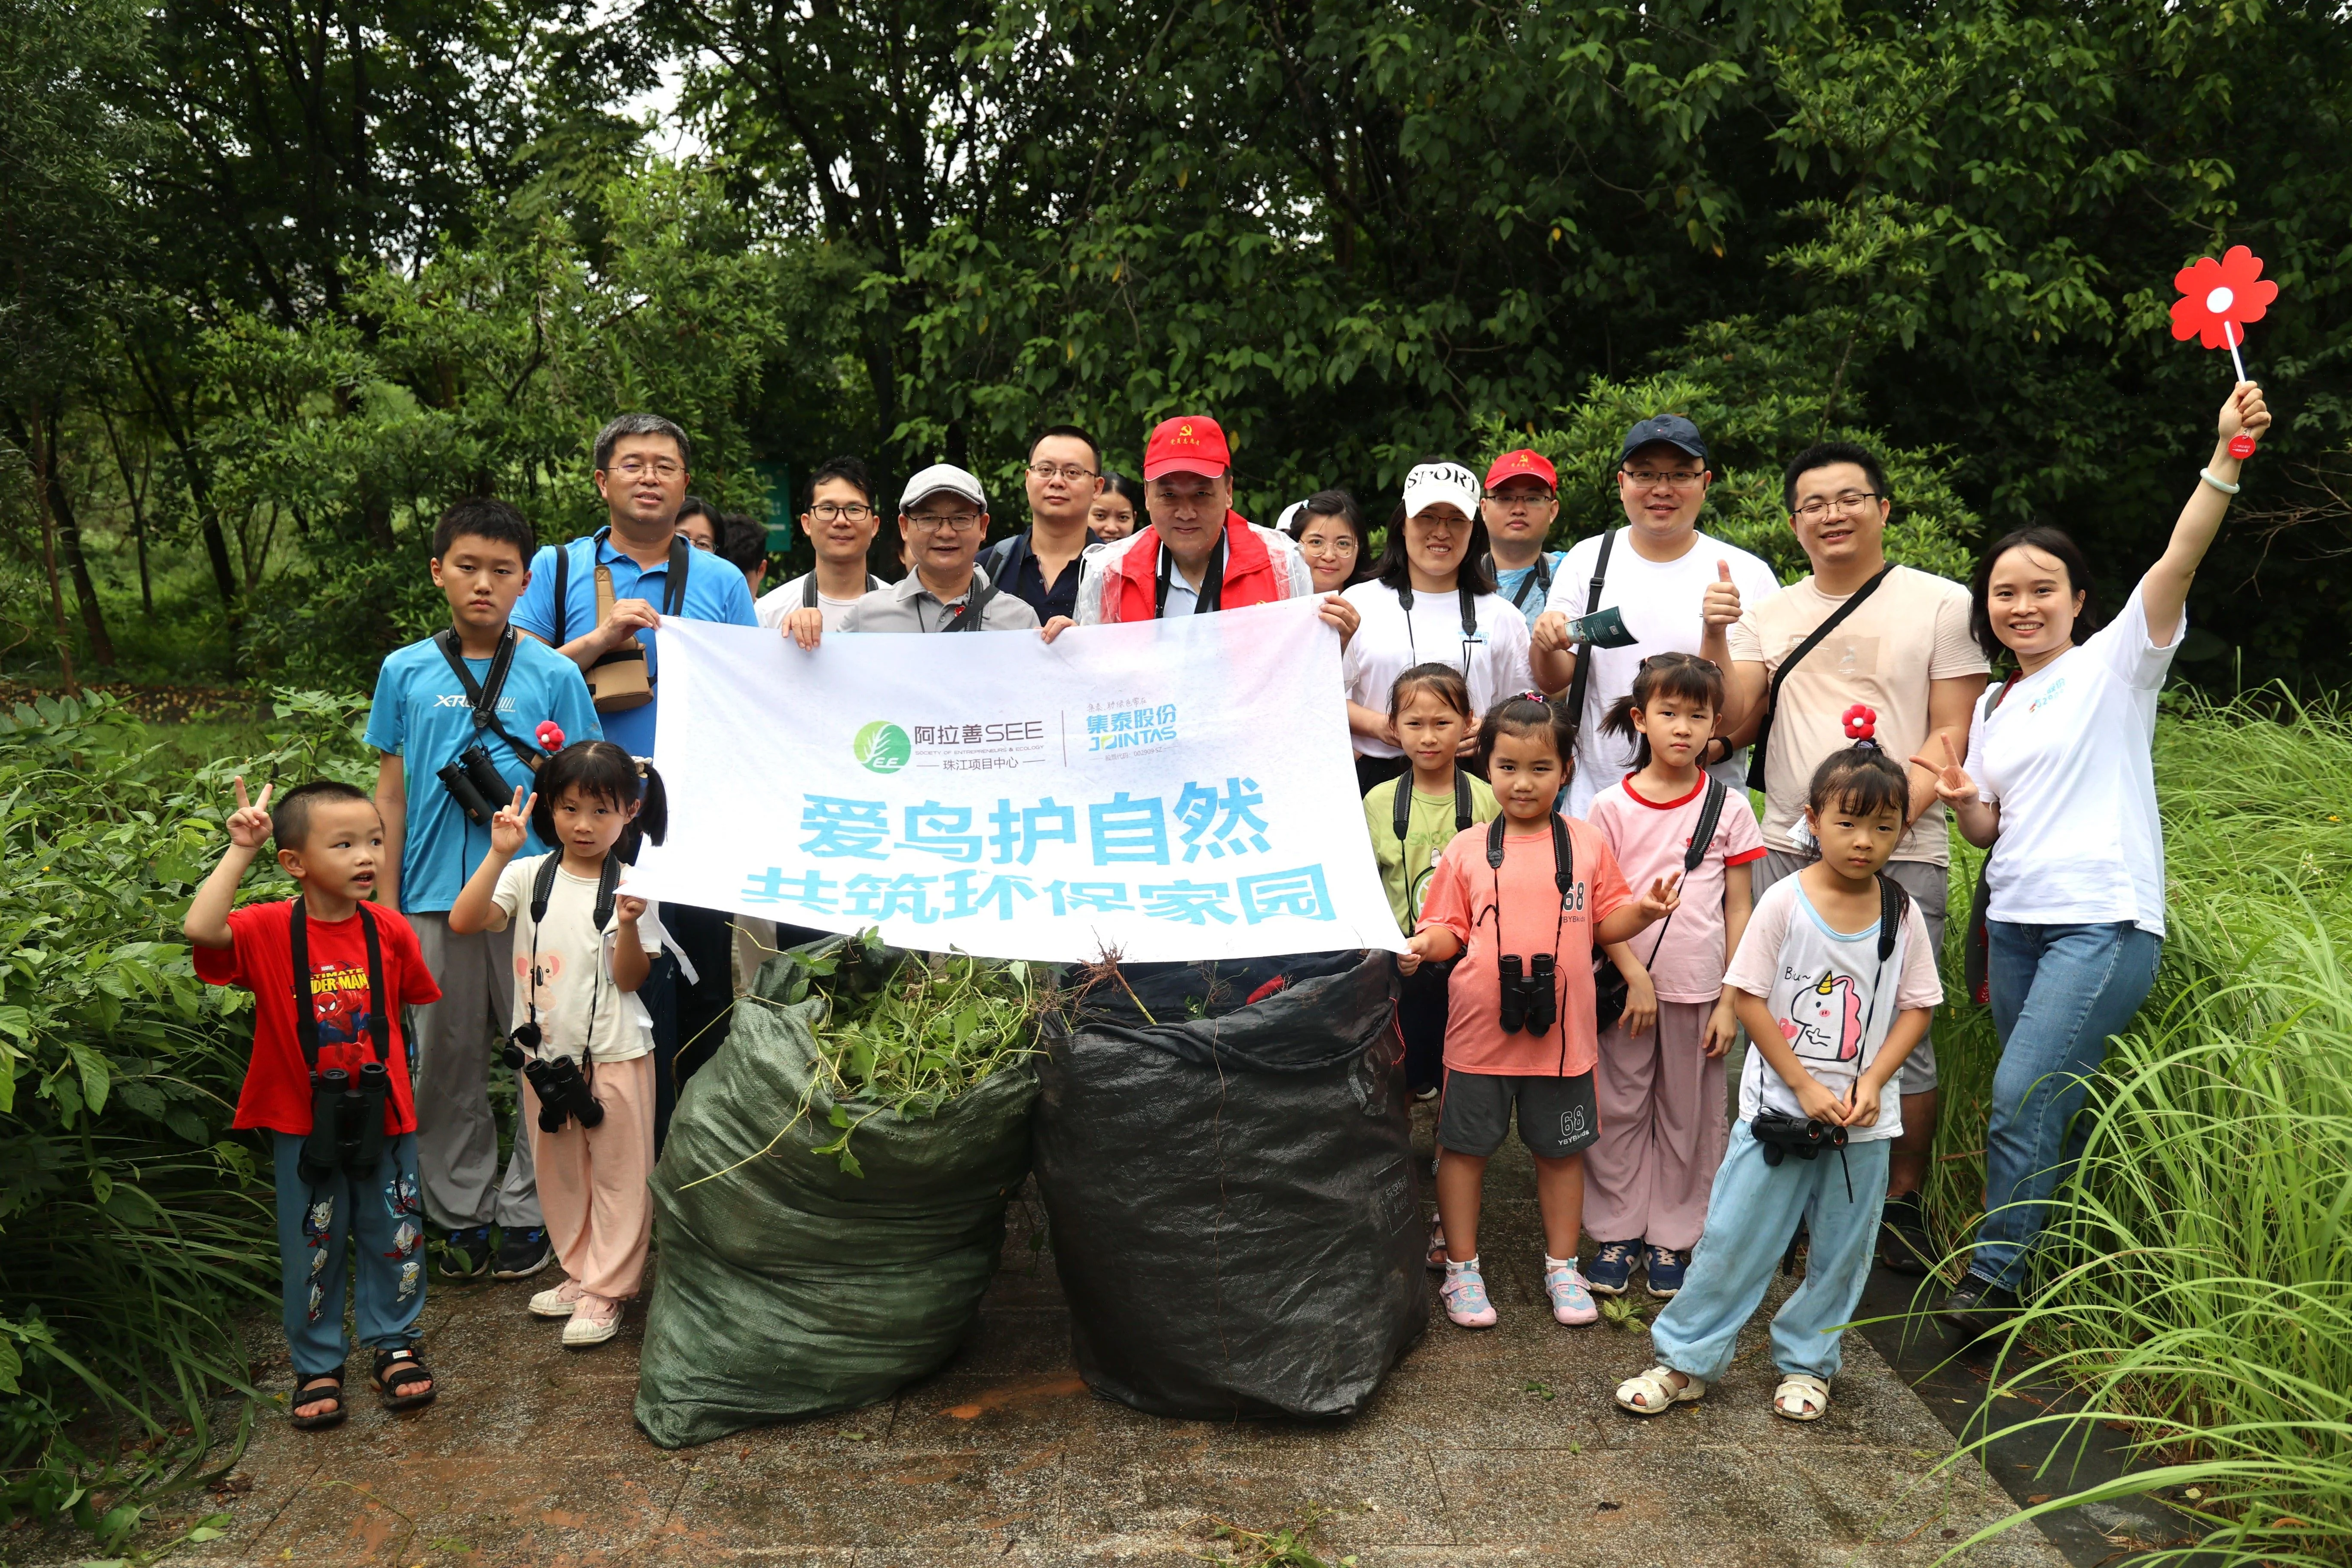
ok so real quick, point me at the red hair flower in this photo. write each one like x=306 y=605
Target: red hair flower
x=549 y=735
x=1861 y=722
x=2219 y=298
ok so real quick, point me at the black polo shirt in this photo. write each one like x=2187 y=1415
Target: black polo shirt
x=1016 y=571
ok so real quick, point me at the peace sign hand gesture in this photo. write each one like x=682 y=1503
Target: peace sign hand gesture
x=248 y=824
x=1953 y=785
x=511 y=824
x=1662 y=897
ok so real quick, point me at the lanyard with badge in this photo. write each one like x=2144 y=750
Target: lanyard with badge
x=1471 y=636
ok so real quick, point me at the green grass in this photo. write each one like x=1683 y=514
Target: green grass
x=2197 y=1279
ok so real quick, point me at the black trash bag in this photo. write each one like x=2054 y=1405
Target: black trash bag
x=1235 y=1202
x=787 y=1287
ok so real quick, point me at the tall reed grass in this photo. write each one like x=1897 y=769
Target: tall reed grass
x=2196 y=1279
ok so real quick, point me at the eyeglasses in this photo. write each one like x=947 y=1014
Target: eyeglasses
x=1649 y=479
x=659 y=468
x=1520 y=500
x=835 y=511
x=954 y=522
x=1069 y=471
x=1851 y=501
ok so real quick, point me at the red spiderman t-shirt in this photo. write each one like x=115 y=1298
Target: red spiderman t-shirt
x=260 y=959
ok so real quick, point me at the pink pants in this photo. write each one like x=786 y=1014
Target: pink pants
x=591 y=1180
x=1662 y=1131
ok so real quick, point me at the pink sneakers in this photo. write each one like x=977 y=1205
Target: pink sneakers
x=1572 y=1303
x=1465 y=1295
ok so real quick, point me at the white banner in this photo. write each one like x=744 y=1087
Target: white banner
x=1179 y=789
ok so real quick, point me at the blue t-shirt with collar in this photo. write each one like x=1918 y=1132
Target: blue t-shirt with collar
x=1514 y=585
x=422 y=716
x=715 y=591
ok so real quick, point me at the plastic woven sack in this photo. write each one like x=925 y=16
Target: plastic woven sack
x=1235 y=1202
x=786 y=1288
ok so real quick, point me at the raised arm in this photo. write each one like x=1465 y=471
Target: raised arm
x=206 y=923
x=2165 y=590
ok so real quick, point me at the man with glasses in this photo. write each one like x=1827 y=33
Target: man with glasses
x=1040 y=567
x=1522 y=503
x=1903 y=650
x=942 y=517
x=1678 y=590
x=841 y=522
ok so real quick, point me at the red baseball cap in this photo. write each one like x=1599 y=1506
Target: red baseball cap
x=1188 y=444
x=1521 y=465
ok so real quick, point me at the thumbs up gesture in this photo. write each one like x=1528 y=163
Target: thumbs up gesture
x=1721 y=605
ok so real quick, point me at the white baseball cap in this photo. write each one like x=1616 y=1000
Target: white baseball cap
x=1430 y=483
x=942 y=477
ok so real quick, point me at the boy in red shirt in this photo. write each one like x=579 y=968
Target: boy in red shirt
x=329 y=975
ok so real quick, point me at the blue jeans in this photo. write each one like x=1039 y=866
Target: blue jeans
x=1752 y=1214
x=2058 y=992
x=376 y=1226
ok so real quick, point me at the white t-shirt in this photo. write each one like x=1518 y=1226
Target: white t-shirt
x=1828 y=992
x=1660 y=601
x=2066 y=758
x=779 y=602
x=1388 y=643
x=569 y=965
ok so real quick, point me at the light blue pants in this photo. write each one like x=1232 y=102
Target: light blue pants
x=377 y=1226
x=1752 y=1214
x=2058 y=993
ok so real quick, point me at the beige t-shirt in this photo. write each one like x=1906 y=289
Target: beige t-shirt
x=1914 y=631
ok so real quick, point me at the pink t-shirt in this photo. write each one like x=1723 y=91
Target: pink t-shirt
x=1461 y=898
x=1649 y=838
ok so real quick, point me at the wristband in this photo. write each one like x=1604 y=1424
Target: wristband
x=2227 y=490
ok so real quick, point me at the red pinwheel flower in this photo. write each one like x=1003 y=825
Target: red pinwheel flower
x=549 y=735
x=2215 y=292
x=1861 y=722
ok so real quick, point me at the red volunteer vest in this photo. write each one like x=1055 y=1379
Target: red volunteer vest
x=1250 y=578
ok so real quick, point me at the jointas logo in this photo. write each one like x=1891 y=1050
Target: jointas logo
x=882 y=747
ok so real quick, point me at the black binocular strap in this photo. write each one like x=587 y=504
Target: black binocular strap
x=673 y=587
x=1710 y=812
x=1403 y=816
x=483 y=696
x=1573 y=699
x=542 y=887
x=968 y=614
x=1563 y=876
x=808 y=589
x=306 y=1010
x=1469 y=621
x=1538 y=576
x=1212 y=583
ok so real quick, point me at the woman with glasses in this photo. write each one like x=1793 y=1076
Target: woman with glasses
x=1329 y=528
x=1432 y=601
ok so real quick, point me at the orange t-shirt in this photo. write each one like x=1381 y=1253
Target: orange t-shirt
x=1462 y=898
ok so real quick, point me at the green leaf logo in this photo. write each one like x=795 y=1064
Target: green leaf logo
x=882 y=746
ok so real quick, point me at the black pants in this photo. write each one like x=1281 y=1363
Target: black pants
x=691 y=1022
x=1423 y=998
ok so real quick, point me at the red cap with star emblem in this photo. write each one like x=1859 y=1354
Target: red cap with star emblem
x=1190 y=444
x=1521 y=465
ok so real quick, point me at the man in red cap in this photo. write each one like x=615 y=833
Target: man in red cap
x=1522 y=503
x=1199 y=554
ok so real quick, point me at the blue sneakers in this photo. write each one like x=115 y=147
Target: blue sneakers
x=1612 y=1268
x=1664 y=1267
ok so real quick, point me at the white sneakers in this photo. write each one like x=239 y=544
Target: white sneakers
x=595 y=1319
x=559 y=1303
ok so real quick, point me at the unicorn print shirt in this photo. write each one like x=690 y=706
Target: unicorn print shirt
x=1831 y=997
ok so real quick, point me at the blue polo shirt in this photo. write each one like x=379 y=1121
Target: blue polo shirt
x=715 y=591
x=421 y=716
x=1526 y=589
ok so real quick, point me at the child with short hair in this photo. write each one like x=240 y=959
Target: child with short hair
x=461 y=717
x=581 y=1034
x=1528 y=899
x=1660 y=1082
x=329 y=1081
x=1411 y=818
x=1835 y=982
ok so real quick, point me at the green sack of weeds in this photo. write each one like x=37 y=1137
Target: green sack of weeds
x=830 y=1204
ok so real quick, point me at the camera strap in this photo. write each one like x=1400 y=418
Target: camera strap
x=306 y=1008
x=808 y=588
x=1563 y=876
x=1787 y=667
x=968 y=614
x=1469 y=621
x=543 y=887
x=1710 y=812
x=483 y=695
x=1405 y=803
x=1539 y=578
x=1574 y=699
x=673 y=587
x=1213 y=581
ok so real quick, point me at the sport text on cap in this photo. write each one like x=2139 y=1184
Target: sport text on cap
x=938 y=478
x=1188 y=444
x=1673 y=429
x=1430 y=483
x=1525 y=463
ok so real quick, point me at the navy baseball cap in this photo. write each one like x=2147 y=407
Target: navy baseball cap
x=1673 y=429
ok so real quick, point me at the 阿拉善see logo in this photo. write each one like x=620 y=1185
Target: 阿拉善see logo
x=882 y=747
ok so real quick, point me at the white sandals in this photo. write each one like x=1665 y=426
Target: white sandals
x=1654 y=1391
x=1797 y=1390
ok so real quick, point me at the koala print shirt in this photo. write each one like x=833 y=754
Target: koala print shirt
x=564 y=966
x=1831 y=997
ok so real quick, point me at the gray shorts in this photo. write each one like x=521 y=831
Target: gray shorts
x=1557 y=1115
x=1929 y=887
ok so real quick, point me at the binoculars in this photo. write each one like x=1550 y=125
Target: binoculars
x=1780 y=1132
x=1531 y=992
x=346 y=1123
x=474 y=783
x=563 y=1094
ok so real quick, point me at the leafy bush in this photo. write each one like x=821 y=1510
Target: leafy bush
x=135 y=1227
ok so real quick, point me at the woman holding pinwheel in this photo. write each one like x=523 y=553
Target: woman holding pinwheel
x=2060 y=785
